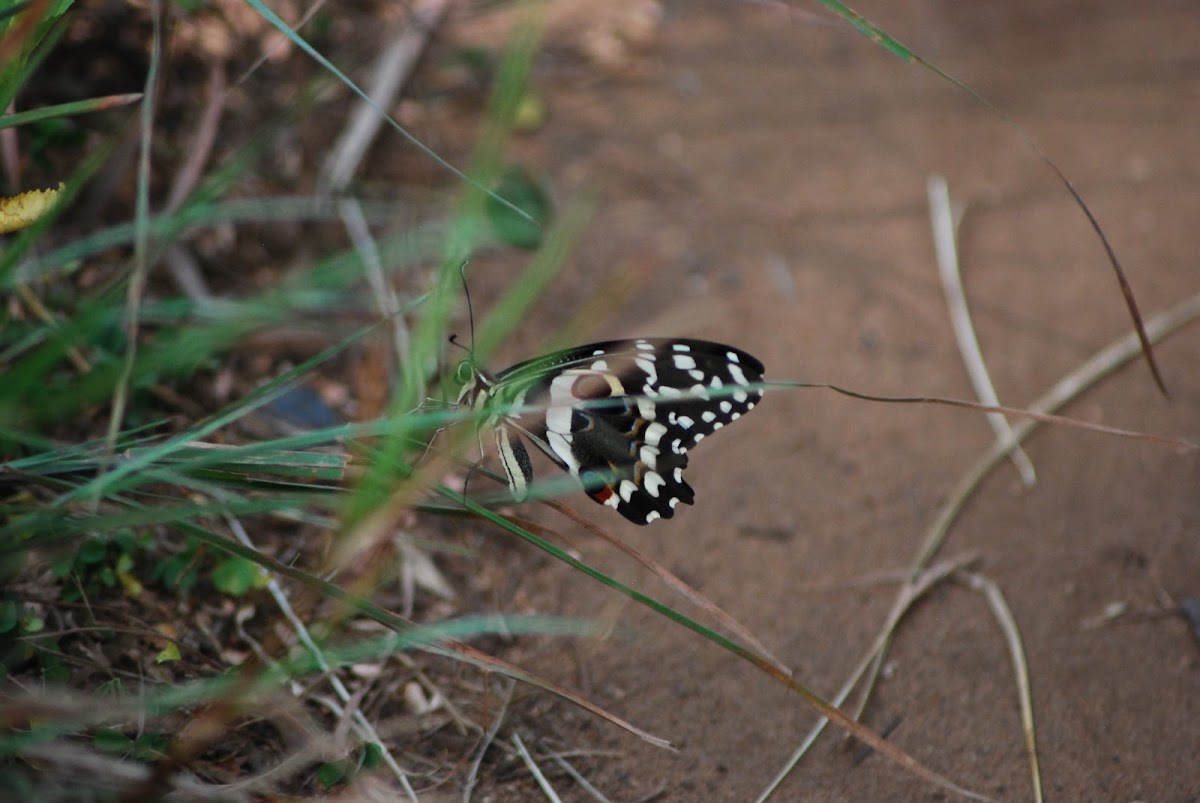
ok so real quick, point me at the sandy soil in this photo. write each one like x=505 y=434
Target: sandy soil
x=761 y=176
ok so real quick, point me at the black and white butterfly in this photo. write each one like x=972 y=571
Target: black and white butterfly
x=619 y=415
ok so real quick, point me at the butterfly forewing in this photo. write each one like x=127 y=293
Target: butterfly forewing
x=621 y=415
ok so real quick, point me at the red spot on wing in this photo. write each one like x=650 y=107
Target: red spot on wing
x=601 y=494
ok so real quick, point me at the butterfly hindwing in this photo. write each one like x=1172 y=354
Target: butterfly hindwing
x=622 y=415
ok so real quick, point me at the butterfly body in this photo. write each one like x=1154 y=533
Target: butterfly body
x=619 y=415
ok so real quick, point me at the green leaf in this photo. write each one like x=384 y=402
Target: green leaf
x=235 y=576
x=372 y=756
x=111 y=741
x=168 y=654
x=520 y=190
x=331 y=774
x=112 y=689
x=10 y=614
x=92 y=551
x=150 y=747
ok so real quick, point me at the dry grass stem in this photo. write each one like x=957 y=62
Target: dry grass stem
x=392 y=69
x=1012 y=637
x=945 y=247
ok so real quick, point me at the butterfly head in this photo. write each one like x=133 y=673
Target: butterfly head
x=473 y=383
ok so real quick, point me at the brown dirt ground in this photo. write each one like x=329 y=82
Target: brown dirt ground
x=760 y=179
x=762 y=176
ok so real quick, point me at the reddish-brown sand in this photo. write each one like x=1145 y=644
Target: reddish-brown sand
x=760 y=177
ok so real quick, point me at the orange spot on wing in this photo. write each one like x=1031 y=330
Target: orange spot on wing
x=603 y=494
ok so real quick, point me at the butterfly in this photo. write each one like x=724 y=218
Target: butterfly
x=619 y=415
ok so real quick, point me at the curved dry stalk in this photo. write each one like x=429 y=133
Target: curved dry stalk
x=911 y=591
x=1101 y=364
x=945 y=249
x=1012 y=636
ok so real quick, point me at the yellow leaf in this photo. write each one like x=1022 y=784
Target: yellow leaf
x=168 y=654
x=22 y=210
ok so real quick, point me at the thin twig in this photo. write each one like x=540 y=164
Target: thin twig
x=535 y=770
x=364 y=726
x=199 y=148
x=141 y=234
x=1012 y=636
x=185 y=271
x=9 y=156
x=383 y=292
x=946 y=250
x=584 y=783
x=31 y=299
x=392 y=69
x=488 y=738
x=275 y=45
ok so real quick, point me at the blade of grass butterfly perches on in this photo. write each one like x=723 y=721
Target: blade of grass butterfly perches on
x=879 y=37
x=620 y=416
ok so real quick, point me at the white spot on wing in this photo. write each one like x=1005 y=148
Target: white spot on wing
x=684 y=361
x=558 y=413
x=558 y=419
x=696 y=374
x=645 y=408
x=626 y=490
x=561 y=444
x=649 y=368
x=735 y=371
x=726 y=406
x=649 y=456
x=740 y=397
x=733 y=357
x=681 y=347
x=685 y=422
x=654 y=433
x=709 y=416
x=652 y=515
x=653 y=482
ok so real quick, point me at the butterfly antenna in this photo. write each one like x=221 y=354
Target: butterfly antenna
x=462 y=272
